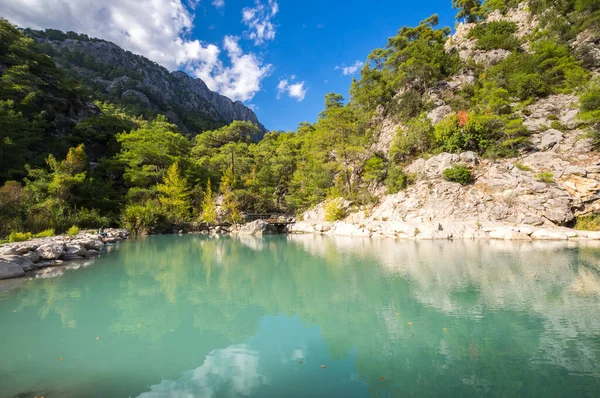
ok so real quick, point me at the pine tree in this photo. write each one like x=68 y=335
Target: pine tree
x=209 y=210
x=230 y=204
x=174 y=195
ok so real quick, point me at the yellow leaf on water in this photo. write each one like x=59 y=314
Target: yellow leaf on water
x=14 y=310
x=397 y=314
x=97 y=338
x=445 y=328
x=59 y=359
x=48 y=301
x=410 y=323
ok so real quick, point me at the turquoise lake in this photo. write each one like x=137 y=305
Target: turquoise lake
x=195 y=316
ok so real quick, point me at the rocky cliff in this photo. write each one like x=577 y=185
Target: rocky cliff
x=538 y=194
x=122 y=77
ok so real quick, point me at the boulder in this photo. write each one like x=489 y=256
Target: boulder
x=549 y=234
x=92 y=253
x=33 y=256
x=23 y=262
x=8 y=269
x=344 y=229
x=74 y=250
x=51 y=251
x=92 y=244
x=550 y=138
x=258 y=227
x=301 y=227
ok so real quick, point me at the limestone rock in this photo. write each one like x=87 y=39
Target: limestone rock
x=75 y=250
x=9 y=269
x=23 y=262
x=51 y=251
x=550 y=139
x=258 y=227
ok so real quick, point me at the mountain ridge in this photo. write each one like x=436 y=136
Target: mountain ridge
x=122 y=76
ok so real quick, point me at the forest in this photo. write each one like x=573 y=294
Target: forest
x=122 y=165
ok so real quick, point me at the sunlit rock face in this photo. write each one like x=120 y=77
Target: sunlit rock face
x=183 y=99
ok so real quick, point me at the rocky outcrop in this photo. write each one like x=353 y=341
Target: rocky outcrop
x=181 y=98
x=18 y=259
x=258 y=227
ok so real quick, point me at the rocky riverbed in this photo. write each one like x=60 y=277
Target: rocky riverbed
x=27 y=258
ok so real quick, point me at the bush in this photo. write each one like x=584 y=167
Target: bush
x=397 y=179
x=588 y=223
x=90 y=219
x=546 y=177
x=46 y=233
x=334 y=209
x=471 y=132
x=73 y=231
x=522 y=166
x=19 y=236
x=414 y=140
x=374 y=169
x=496 y=35
x=460 y=174
x=140 y=219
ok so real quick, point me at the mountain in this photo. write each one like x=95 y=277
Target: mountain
x=119 y=76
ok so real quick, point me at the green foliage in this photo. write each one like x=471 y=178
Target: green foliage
x=141 y=219
x=545 y=176
x=459 y=173
x=588 y=223
x=374 y=169
x=476 y=133
x=19 y=236
x=334 y=207
x=174 y=195
x=73 y=231
x=415 y=139
x=469 y=10
x=209 y=209
x=397 y=179
x=522 y=167
x=550 y=68
x=47 y=233
x=496 y=35
x=412 y=61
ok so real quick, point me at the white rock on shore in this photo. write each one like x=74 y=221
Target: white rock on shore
x=16 y=259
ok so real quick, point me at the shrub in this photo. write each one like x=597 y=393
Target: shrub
x=522 y=166
x=588 y=223
x=459 y=173
x=46 y=233
x=334 y=209
x=476 y=134
x=19 y=236
x=374 y=169
x=140 y=219
x=495 y=35
x=397 y=179
x=90 y=218
x=546 y=177
x=414 y=140
x=73 y=231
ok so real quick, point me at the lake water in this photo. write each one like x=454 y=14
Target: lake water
x=194 y=316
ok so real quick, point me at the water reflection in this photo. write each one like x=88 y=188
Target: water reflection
x=235 y=316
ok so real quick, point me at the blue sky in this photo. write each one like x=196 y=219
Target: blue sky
x=279 y=57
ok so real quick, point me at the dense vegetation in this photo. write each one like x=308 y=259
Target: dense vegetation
x=130 y=167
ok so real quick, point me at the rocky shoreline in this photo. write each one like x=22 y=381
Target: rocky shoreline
x=26 y=258
x=418 y=231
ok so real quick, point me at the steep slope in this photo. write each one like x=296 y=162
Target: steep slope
x=541 y=176
x=140 y=84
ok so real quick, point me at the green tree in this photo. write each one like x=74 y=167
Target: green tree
x=468 y=9
x=174 y=195
x=209 y=210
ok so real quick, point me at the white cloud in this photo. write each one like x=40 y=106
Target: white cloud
x=156 y=29
x=218 y=3
x=350 y=70
x=295 y=90
x=239 y=81
x=258 y=20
